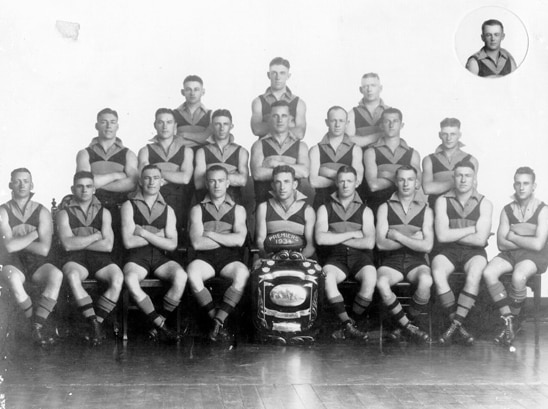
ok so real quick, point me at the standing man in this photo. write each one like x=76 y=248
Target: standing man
x=437 y=168
x=462 y=223
x=285 y=211
x=364 y=120
x=522 y=239
x=335 y=150
x=192 y=117
x=405 y=233
x=217 y=233
x=175 y=161
x=26 y=230
x=384 y=157
x=114 y=169
x=224 y=152
x=346 y=230
x=280 y=147
x=278 y=74
x=148 y=231
x=492 y=60
x=85 y=231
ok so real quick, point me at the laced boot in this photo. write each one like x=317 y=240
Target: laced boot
x=447 y=335
x=466 y=336
x=416 y=333
x=351 y=331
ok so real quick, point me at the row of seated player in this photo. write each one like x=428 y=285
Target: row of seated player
x=343 y=229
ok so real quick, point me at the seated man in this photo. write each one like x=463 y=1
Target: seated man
x=334 y=150
x=217 y=233
x=85 y=231
x=522 y=239
x=346 y=231
x=462 y=223
x=222 y=151
x=149 y=232
x=405 y=232
x=286 y=211
x=26 y=230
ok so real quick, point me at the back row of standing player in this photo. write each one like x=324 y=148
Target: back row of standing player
x=190 y=139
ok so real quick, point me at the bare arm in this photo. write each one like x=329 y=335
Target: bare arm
x=472 y=66
x=184 y=174
x=69 y=241
x=200 y=169
x=444 y=233
x=300 y=120
x=82 y=164
x=385 y=243
x=429 y=184
x=45 y=233
x=240 y=177
x=260 y=228
x=351 y=124
x=357 y=162
x=239 y=231
x=324 y=237
x=371 y=172
x=107 y=241
x=129 y=181
x=196 y=231
x=367 y=241
x=504 y=227
x=483 y=226
x=130 y=239
x=258 y=170
x=14 y=244
x=317 y=180
x=536 y=242
x=309 y=220
x=302 y=167
x=165 y=239
x=421 y=242
x=258 y=127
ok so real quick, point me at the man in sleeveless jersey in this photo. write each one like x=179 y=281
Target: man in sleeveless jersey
x=175 y=161
x=405 y=233
x=345 y=230
x=27 y=229
x=285 y=211
x=522 y=240
x=364 y=120
x=149 y=233
x=85 y=231
x=278 y=74
x=217 y=233
x=492 y=60
x=462 y=224
x=437 y=168
x=279 y=147
x=336 y=149
x=192 y=117
x=224 y=152
x=384 y=157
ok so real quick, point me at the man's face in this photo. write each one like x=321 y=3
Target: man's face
x=524 y=186
x=165 y=126
x=391 y=125
x=217 y=184
x=284 y=185
x=21 y=185
x=193 y=92
x=278 y=75
x=346 y=185
x=336 y=122
x=406 y=182
x=492 y=36
x=464 y=179
x=222 y=125
x=280 y=119
x=83 y=189
x=151 y=181
x=107 y=126
x=450 y=136
x=371 y=89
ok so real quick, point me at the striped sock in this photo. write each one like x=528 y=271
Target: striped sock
x=464 y=305
x=337 y=303
x=169 y=305
x=360 y=304
x=417 y=306
x=85 y=305
x=104 y=307
x=500 y=297
x=204 y=299
x=231 y=298
x=43 y=309
x=447 y=301
x=395 y=309
x=148 y=308
x=26 y=306
x=518 y=297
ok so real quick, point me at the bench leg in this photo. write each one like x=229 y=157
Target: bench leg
x=125 y=311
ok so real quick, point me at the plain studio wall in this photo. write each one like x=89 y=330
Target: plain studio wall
x=133 y=57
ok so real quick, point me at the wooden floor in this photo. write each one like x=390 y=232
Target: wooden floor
x=325 y=375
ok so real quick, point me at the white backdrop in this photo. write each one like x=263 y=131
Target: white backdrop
x=133 y=57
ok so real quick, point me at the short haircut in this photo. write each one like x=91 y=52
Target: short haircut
x=465 y=163
x=346 y=169
x=336 y=107
x=279 y=61
x=105 y=111
x=216 y=168
x=222 y=112
x=526 y=170
x=19 y=170
x=150 y=167
x=193 y=78
x=450 y=122
x=392 y=111
x=283 y=169
x=371 y=75
x=280 y=103
x=83 y=174
x=492 y=22
x=161 y=111
x=406 y=167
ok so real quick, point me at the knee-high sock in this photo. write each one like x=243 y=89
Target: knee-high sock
x=464 y=304
x=231 y=298
x=204 y=299
x=500 y=298
x=360 y=304
x=26 y=306
x=518 y=297
x=148 y=308
x=447 y=301
x=417 y=306
x=337 y=303
x=85 y=305
x=44 y=307
x=395 y=309
x=169 y=305
x=104 y=307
